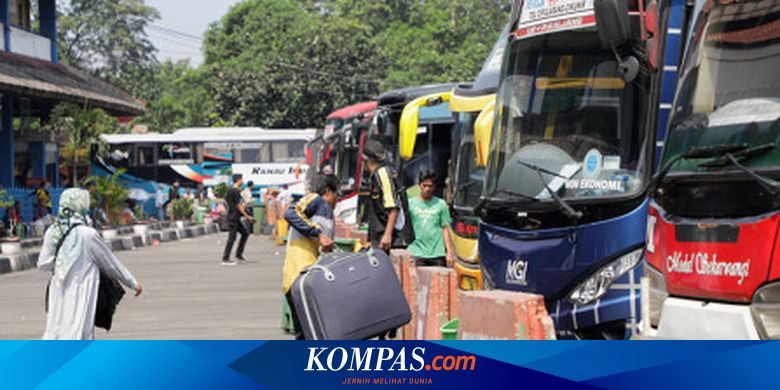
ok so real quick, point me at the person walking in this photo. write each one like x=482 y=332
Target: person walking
x=387 y=225
x=430 y=218
x=311 y=222
x=75 y=254
x=234 y=213
x=173 y=194
x=159 y=202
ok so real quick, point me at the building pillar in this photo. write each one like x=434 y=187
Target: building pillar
x=38 y=158
x=7 y=143
x=47 y=9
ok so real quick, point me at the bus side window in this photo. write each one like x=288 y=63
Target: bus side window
x=145 y=155
x=197 y=154
x=288 y=151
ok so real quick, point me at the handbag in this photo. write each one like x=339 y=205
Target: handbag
x=110 y=293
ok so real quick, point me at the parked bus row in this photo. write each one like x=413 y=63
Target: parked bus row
x=576 y=166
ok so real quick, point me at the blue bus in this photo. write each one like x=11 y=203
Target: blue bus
x=584 y=89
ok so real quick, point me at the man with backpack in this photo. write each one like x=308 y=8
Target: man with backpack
x=387 y=210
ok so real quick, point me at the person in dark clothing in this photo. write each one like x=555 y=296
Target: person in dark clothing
x=386 y=220
x=235 y=212
x=173 y=194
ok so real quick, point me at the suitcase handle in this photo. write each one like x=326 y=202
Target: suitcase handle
x=329 y=276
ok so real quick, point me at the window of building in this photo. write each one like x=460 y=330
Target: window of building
x=20 y=14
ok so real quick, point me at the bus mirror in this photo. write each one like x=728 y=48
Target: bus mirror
x=613 y=22
x=483 y=129
x=410 y=119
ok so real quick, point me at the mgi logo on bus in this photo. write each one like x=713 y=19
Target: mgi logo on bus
x=516 y=272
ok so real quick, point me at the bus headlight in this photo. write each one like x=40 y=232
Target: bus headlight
x=657 y=294
x=597 y=284
x=766 y=311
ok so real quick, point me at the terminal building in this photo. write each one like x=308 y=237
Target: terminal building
x=32 y=82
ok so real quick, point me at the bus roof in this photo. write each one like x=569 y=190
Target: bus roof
x=224 y=134
x=350 y=111
x=405 y=95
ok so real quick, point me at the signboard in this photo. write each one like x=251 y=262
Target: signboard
x=548 y=16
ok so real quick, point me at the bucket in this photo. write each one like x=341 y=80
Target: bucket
x=449 y=331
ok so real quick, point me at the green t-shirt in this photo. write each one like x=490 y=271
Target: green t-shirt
x=428 y=219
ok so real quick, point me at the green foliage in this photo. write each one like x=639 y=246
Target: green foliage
x=283 y=63
x=182 y=209
x=274 y=64
x=220 y=191
x=138 y=212
x=108 y=194
x=82 y=126
x=6 y=200
x=179 y=97
x=108 y=38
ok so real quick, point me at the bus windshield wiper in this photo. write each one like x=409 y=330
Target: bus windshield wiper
x=565 y=207
x=542 y=170
x=697 y=152
x=772 y=186
x=485 y=200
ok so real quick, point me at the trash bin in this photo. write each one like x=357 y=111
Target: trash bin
x=258 y=212
x=282 y=227
x=199 y=213
x=287 y=322
x=346 y=244
x=449 y=331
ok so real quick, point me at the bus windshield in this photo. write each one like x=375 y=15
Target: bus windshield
x=730 y=91
x=467 y=185
x=566 y=122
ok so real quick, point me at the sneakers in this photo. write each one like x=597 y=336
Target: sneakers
x=241 y=260
x=229 y=263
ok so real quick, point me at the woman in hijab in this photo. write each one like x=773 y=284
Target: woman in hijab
x=73 y=290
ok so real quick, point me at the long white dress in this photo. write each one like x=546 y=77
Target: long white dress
x=73 y=300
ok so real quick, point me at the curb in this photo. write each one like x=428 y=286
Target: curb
x=29 y=257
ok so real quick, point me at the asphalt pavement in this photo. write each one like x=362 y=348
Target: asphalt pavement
x=188 y=295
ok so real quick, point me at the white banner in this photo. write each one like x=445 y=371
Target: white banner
x=548 y=16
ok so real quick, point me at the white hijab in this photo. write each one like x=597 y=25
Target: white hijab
x=73 y=210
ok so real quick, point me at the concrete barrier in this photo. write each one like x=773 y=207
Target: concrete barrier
x=503 y=315
x=433 y=301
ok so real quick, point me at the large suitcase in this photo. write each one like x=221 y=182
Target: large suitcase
x=350 y=296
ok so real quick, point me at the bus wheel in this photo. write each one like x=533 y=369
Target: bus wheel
x=615 y=330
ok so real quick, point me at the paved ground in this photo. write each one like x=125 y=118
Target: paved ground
x=187 y=295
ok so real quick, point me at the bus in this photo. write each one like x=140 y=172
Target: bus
x=429 y=147
x=339 y=147
x=470 y=104
x=564 y=206
x=204 y=156
x=712 y=269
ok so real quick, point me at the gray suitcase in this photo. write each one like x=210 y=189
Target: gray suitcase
x=350 y=296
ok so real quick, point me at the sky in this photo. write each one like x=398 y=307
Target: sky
x=179 y=31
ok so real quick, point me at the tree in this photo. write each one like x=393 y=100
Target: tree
x=108 y=39
x=274 y=64
x=179 y=97
x=82 y=126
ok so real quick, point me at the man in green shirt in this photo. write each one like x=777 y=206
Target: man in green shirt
x=431 y=219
